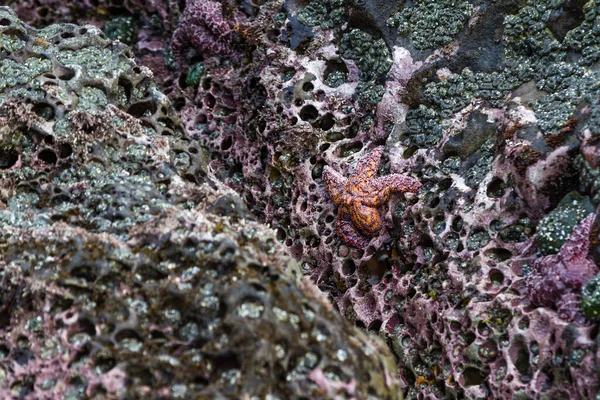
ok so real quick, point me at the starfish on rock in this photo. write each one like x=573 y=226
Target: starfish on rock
x=359 y=195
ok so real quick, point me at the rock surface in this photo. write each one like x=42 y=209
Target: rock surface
x=126 y=269
x=492 y=106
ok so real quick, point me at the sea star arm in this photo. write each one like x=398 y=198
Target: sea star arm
x=569 y=307
x=366 y=219
x=367 y=166
x=204 y=27
x=348 y=232
x=382 y=187
x=217 y=24
x=334 y=183
x=198 y=39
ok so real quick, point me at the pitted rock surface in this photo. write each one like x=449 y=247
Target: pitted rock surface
x=126 y=269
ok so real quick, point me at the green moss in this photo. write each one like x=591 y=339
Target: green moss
x=13 y=73
x=478 y=240
x=11 y=43
x=169 y=59
x=97 y=60
x=91 y=99
x=326 y=14
x=517 y=232
x=423 y=128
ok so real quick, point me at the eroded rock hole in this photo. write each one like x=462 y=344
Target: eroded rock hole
x=473 y=376
x=566 y=18
x=8 y=158
x=326 y=122
x=85 y=272
x=496 y=188
x=127 y=87
x=201 y=119
x=457 y=224
x=496 y=277
x=445 y=184
x=348 y=149
x=84 y=325
x=519 y=354
x=63 y=73
x=44 y=110
x=128 y=334
x=143 y=108
x=48 y=156
x=67 y=35
x=210 y=100
x=336 y=67
x=348 y=267
x=104 y=362
x=498 y=254
x=226 y=144
x=409 y=152
x=43 y=12
x=309 y=113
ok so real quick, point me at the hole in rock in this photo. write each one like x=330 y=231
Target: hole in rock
x=326 y=122
x=8 y=158
x=48 y=156
x=308 y=86
x=473 y=376
x=309 y=113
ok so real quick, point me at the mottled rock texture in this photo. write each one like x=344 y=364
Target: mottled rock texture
x=492 y=105
x=126 y=269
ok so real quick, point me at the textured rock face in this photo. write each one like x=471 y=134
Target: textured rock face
x=126 y=269
x=493 y=106
x=493 y=111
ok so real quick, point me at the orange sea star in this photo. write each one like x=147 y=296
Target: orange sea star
x=359 y=195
